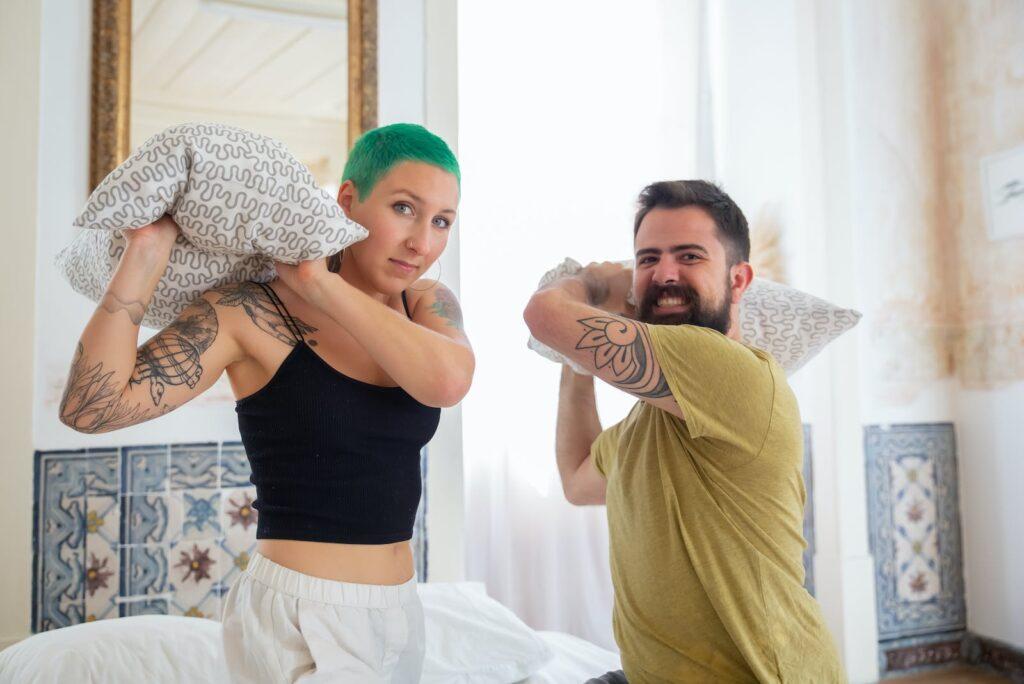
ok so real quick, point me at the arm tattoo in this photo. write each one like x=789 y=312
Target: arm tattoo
x=111 y=303
x=261 y=310
x=173 y=356
x=92 y=402
x=625 y=346
x=447 y=307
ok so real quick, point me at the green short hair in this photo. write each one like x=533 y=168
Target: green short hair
x=377 y=150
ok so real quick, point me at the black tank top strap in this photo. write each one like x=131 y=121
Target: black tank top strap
x=289 y=322
x=405 y=303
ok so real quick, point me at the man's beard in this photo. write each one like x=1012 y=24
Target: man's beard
x=697 y=311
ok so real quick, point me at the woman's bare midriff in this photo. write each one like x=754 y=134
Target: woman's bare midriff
x=357 y=563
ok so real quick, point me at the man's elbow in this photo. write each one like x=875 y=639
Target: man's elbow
x=573 y=497
x=539 y=312
x=579 y=496
x=585 y=500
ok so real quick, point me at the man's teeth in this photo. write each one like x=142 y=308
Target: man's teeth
x=670 y=301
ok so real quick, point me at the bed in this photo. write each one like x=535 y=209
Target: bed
x=113 y=601
x=471 y=638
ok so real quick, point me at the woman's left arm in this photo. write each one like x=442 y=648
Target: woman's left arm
x=428 y=356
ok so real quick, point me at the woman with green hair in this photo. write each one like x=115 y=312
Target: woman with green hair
x=340 y=368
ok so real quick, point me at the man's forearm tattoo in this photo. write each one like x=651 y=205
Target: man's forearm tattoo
x=261 y=310
x=447 y=307
x=624 y=346
x=92 y=400
x=173 y=356
x=111 y=303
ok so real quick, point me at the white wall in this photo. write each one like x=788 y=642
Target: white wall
x=990 y=449
x=19 y=123
x=982 y=97
x=417 y=81
x=931 y=85
x=446 y=503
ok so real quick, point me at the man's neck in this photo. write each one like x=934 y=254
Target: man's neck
x=734 y=326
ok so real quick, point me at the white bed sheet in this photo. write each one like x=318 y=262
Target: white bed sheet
x=575 y=661
x=159 y=649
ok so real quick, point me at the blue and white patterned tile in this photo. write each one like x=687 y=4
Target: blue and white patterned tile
x=238 y=520
x=144 y=469
x=196 y=569
x=144 y=570
x=102 y=557
x=419 y=529
x=238 y=517
x=103 y=477
x=234 y=465
x=194 y=465
x=808 y=473
x=914 y=518
x=112 y=525
x=914 y=521
x=149 y=519
x=58 y=582
x=199 y=513
x=138 y=606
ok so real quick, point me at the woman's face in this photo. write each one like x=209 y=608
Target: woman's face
x=409 y=215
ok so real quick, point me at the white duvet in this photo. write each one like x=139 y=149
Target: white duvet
x=471 y=639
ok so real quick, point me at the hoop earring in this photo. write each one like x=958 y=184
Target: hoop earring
x=437 y=280
x=334 y=262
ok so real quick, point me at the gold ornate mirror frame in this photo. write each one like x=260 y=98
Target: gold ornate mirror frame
x=111 y=80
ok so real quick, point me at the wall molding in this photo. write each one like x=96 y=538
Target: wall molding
x=936 y=652
x=997 y=655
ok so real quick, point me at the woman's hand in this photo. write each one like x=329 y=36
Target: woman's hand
x=160 y=235
x=308 y=279
x=608 y=287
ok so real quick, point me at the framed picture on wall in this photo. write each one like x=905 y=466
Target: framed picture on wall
x=1002 y=181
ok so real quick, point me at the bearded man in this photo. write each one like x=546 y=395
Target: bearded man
x=702 y=480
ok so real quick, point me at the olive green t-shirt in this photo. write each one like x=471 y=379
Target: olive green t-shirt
x=705 y=519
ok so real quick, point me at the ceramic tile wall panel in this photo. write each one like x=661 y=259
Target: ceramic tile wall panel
x=136 y=530
x=808 y=512
x=914 y=525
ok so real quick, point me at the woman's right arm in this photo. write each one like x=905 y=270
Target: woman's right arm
x=112 y=384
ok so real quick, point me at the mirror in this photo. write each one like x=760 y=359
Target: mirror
x=301 y=71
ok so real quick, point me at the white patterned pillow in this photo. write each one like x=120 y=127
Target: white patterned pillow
x=241 y=199
x=791 y=325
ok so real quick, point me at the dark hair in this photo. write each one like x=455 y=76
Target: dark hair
x=334 y=262
x=732 y=225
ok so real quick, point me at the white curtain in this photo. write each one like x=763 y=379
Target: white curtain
x=566 y=111
x=541 y=556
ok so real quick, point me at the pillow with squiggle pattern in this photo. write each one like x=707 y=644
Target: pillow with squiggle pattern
x=242 y=202
x=791 y=325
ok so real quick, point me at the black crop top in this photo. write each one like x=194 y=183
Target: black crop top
x=333 y=459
